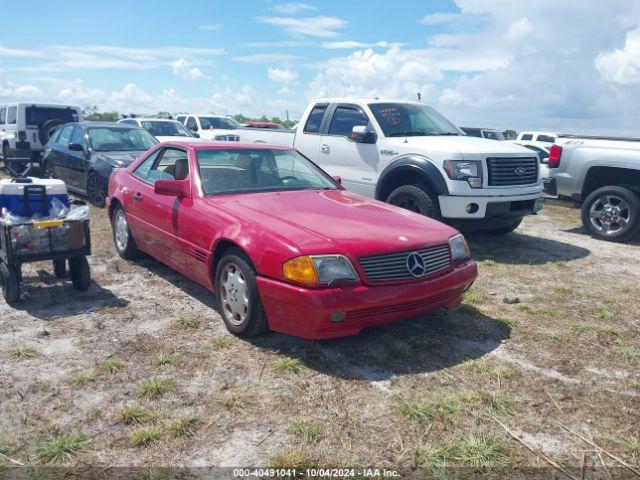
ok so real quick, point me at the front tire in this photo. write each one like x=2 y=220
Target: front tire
x=416 y=198
x=122 y=238
x=611 y=213
x=238 y=298
x=96 y=190
x=10 y=283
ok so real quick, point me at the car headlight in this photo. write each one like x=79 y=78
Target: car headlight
x=319 y=269
x=459 y=249
x=471 y=171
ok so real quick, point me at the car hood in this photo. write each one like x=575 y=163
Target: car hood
x=462 y=144
x=334 y=221
x=119 y=158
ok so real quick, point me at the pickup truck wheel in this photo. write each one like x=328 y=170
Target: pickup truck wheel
x=10 y=283
x=505 y=230
x=238 y=297
x=416 y=198
x=122 y=238
x=611 y=213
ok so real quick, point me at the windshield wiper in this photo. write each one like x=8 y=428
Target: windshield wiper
x=446 y=134
x=406 y=133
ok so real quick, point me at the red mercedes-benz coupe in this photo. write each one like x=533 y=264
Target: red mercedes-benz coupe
x=281 y=243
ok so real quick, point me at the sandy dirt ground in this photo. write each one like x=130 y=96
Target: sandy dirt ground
x=140 y=371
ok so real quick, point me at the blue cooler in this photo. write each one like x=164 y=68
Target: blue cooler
x=26 y=197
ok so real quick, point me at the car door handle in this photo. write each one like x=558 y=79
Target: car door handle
x=324 y=148
x=137 y=196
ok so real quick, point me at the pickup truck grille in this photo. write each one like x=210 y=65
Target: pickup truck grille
x=512 y=171
x=394 y=267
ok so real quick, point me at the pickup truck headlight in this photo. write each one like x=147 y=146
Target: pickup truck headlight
x=319 y=269
x=468 y=170
x=459 y=249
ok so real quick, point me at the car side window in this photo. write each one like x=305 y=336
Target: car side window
x=129 y=122
x=546 y=138
x=314 y=121
x=3 y=115
x=142 y=172
x=77 y=136
x=180 y=118
x=345 y=118
x=527 y=136
x=191 y=124
x=12 y=113
x=65 y=135
x=171 y=164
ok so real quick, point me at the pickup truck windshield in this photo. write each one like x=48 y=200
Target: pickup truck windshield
x=165 y=129
x=410 y=119
x=112 y=139
x=210 y=123
x=259 y=170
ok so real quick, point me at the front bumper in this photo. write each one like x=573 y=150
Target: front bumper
x=308 y=313
x=489 y=207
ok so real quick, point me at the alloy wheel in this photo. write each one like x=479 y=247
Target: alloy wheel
x=121 y=230
x=609 y=214
x=95 y=190
x=234 y=295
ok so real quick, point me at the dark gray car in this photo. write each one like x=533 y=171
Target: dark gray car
x=83 y=154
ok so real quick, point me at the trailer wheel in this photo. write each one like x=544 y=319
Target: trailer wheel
x=80 y=273
x=10 y=280
x=60 y=267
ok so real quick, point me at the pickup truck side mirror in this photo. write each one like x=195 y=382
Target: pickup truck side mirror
x=362 y=134
x=172 y=188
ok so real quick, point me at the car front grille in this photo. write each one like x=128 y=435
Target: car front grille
x=393 y=267
x=512 y=171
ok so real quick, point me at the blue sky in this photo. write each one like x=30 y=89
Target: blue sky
x=571 y=65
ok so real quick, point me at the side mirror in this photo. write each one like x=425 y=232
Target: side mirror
x=337 y=179
x=197 y=135
x=362 y=134
x=172 y=188
x=76 y=147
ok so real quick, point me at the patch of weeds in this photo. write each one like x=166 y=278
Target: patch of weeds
x=599 y=330
x=478 y=451
x=111 y=366
x=62 y=448
x=6 y=447
x=21 y=352
x=553 y=312
x=136 y=414
x=162 y=358
x=425 y=410
x=631 y=447
x=488 y=371
x=507 y=323
x=605 y=315
x=184 y=426
x=222 y=341
x=154 y=387
x=628 y=353
x=143 y=437
x=553 y=337
x=234 y=401
x=293 y=458
x=82 y=379
x=489 y=263
x=94 y=413
x=288 y=365
x=561 y=264
x=39 y=387
x=188 y=322
x=474 y=297
x=496 y=403
x=306 y=429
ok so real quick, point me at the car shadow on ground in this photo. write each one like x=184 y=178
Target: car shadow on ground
x=439 y=340
x=48 y=297
x=581 y=231
x=521 y=249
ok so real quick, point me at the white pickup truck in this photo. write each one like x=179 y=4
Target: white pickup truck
x=603 y=174
x=223 y=128
x=409 y=155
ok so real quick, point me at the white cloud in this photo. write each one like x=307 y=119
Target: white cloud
x=211 y=27
x=622 y=65
x=440 y=18
x=350 y=44
x=12 y=91
x=518 y=30
x=323 y=27
x=267 y=58
x=284 y=91
x=284 y=75
x=15 y=52
x=185 y=70
x=293 y=8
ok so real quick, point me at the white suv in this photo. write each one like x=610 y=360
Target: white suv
x=33 y=123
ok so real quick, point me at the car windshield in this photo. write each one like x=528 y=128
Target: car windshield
x=410 y=119
x=105 y=139
x=165 y=129
x=36 y=116
x=210 y=123
x=259 y=170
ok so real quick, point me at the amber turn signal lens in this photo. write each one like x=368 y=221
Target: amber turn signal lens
x=300 y=270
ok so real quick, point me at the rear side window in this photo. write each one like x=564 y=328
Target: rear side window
x=3 y=115
x=315 y=119
x=11 y=115
x=181 y=118
x=527 y=136
x=191 y=124
x=546 y=138
x=345 y=119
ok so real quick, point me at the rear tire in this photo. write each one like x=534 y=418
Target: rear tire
x=10 y=283
x=80 y=273
x=60 y=267
x=504 y=230
x=611 y=213
x=239 y=301
x=96 y=190
x=416 y=198
x=122 y=238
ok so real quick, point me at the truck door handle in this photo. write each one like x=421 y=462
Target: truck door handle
x=324 y=148
x=137 y=196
